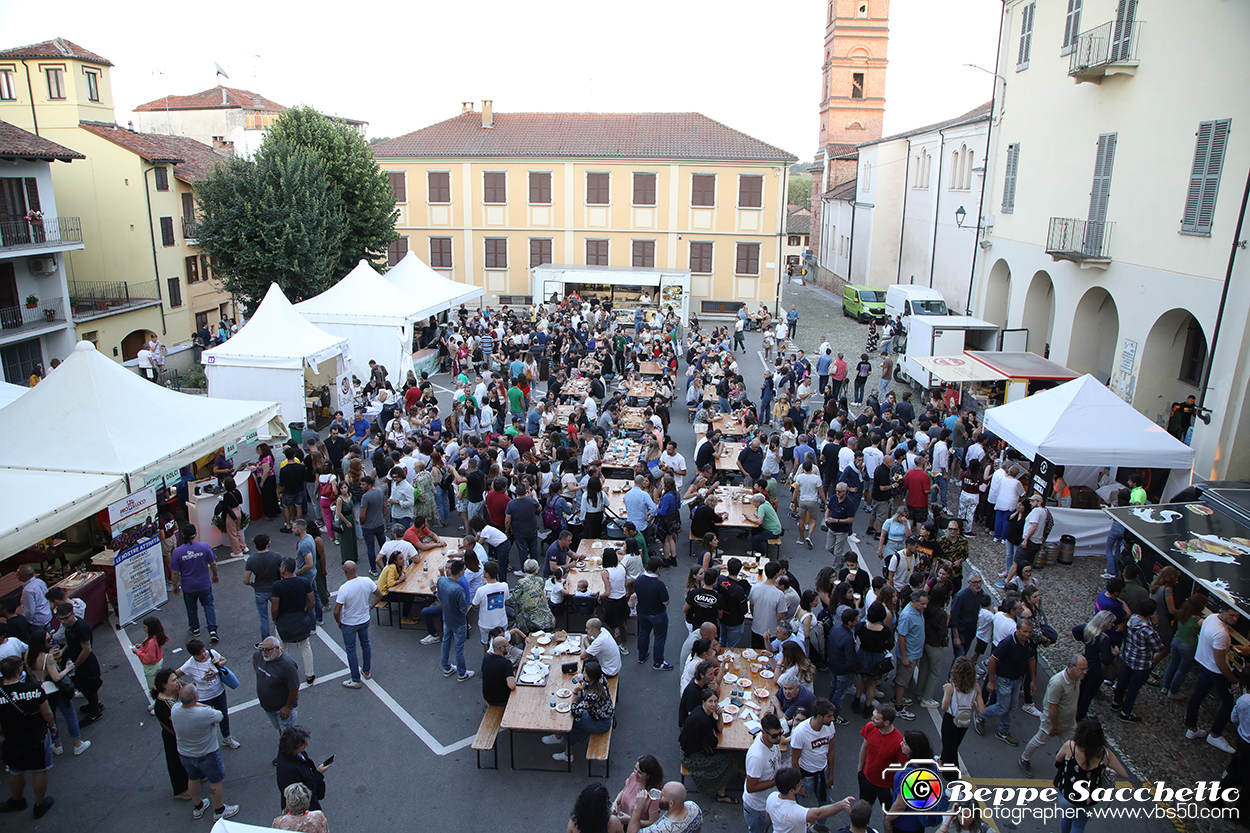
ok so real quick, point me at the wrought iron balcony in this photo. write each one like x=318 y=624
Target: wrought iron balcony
x=95 y=299
x=1081 y=241
x=1110 y=49
x=49 y=311
x=190 y=229
x=49 y=232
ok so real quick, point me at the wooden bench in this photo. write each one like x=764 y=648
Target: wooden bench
x=488 y=733
x=381 y=605
x=695 y=541
x=684 y=773
x=599 y=745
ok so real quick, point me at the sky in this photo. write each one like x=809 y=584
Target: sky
x=402 y=66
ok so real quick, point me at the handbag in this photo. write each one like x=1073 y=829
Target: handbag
x=228 y=679
x=326 y=490
x=885 y=666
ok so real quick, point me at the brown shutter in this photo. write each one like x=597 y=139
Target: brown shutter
x=750 y=191
x=703 y=190
x=439 y=187
x=540 y=188
x=167 y=231
x=598 y=189
x=32 y=193
x=399 y=185
x=644 y=189
x=193 y=269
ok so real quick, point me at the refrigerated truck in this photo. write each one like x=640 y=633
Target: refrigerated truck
x=940 y=335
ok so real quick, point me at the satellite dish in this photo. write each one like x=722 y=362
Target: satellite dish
x=220 y=71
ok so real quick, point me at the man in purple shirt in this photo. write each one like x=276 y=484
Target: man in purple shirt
x=194 y=570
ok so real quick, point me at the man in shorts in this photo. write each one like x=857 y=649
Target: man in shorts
x=25 y=720
x=196 y=729
x=807 y=498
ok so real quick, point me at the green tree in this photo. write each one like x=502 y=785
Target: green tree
x=277 y=219
x=369 y=212
x=800 y=189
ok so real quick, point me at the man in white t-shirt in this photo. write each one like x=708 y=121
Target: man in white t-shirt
x=590 y=451
x=763 y=761
x=1215 y=674
x=490 y=600
x=591 y=407
x=901 y=564
x=397 y=544
x=811 y=751
x=807 y=495
x=785 y=812
x=673 y=463
x=1005 y=623
x=598 y=643
x=351 y=611
x=147 y=368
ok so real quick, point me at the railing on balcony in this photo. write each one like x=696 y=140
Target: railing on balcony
x=190 y=229
x=92 y=299
x=50 y=231
x=1079 y=240
x=50 y=311
x=1099 y=50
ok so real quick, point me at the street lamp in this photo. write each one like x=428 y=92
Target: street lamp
x=960 y=214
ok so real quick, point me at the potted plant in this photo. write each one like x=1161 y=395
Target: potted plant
x=49 y=314
x=32 y=301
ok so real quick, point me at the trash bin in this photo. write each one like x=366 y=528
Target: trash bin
x=297 y=431
x=1067 y=549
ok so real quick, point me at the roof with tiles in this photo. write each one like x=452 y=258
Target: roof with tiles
x=55 y=48
x=584 y=136
x=192 y=160
x=16 y=143
x=216 y=98
x=799 y=222
x=974 y=115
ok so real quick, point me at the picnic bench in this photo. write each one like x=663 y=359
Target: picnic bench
x=488 y=733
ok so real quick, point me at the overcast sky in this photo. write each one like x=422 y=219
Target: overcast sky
x=405 y=65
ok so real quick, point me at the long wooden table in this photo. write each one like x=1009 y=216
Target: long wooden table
x=621 y=454
x=731 y=425
x=650 y=368
x=730 y=504
x=589 y=564
x=421 y=577
x=632 y=419
x=529 y=707
x=640 y=390
x=616 y=500
x=575 y=388
x=735 y=735
x=727 y=461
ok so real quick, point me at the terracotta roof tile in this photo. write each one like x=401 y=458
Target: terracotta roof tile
x=192 y=160
x=16 y=143
x=841 y=151
x=584 y=136
x=55 y=48
x=800 y=222
x=217 y=98
x=976 y=114
x=845 y=191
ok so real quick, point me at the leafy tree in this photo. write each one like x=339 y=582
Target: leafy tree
x=369 y=212
x=800 y=190
x=277 y=219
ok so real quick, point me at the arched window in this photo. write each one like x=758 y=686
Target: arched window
x=866 y=179
x=956 y=174
x=972 y=158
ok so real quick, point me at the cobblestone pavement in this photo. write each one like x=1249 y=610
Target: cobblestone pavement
x=820 y=314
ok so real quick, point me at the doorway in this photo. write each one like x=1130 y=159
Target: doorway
x=10 y=303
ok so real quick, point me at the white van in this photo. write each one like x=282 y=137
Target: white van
x=907 y=299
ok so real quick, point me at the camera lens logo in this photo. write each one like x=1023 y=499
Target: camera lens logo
x=921 y=789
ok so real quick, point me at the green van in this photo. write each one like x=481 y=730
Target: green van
x=863 y=303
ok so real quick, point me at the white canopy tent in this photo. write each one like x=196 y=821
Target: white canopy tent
x=435 y=292
x=266 y=359
x=39 y=504
x=373 y=315
x=1083 y=426
x=96 y=417
x=10 y=393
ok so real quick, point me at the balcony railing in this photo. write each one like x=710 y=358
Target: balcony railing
x=1107 y=50
x=50 y=231
x=190 y=229
x=51 y=311
x=1080 y=241
x=93 y=299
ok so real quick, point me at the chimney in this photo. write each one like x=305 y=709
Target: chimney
x=223 y=95
x=488 y=114
x=258 y=102
x=220 y=144
x=466 y=107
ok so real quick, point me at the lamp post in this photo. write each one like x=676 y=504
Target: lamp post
x=960 y=214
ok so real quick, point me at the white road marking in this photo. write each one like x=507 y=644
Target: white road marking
x=342 y=672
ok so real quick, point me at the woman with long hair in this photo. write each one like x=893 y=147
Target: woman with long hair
x=1184 y=645
x=647 y=775
x=593 y=504
x=165 y=696
x=345 y=522
x=1100 y=652
x=231 y=509
x=709 y=766
x=43 y=667
x=592 y=711
x=793 y=657
x=961 y=702
x=1083 y=759
x=1165 y=604
x=668 y=518
x=327 y=489
x=874 y=637
x=266 y=474
x=592 y=812
x=613 y=598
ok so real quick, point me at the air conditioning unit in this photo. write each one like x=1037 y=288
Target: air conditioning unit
x=42 y=265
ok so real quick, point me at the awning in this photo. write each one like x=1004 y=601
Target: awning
x=1023 y=365
x=959 y=369
x=39 y=504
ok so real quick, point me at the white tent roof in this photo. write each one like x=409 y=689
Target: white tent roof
x=362 y=297
x=1082 y=423
x=10 y=393
x=94 y=416
x=435 y=292
x=39 y=504
x=276 y=336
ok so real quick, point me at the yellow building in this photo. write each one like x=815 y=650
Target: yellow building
x=485 y=197
x=139 y=271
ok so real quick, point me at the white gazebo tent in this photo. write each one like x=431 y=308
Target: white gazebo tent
x=10 y=393
x=1083 y=426
x=435 y=292
x=373 y=315
x=39 y=504
x=272 y=355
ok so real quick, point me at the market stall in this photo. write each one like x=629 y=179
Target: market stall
x=375 y=317
x=1098 y=438
x=10 y=393
x=278 y=355
x=434 y=292
x=39 y=504
x=653 y=291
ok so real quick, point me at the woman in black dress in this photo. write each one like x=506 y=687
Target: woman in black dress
x=710 y=767
x=165 y=697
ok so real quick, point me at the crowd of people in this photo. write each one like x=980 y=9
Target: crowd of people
x=512 y=469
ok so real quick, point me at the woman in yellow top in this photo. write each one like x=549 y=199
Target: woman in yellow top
x=393 y=574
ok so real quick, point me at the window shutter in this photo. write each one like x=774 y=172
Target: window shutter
x=750 y=191
x=399 y=185
x=540 y=188
x=188 y=208
x=703 y=190
x=1197 y=177
x=1009 y=178
x=1071 y=26
x=1122 y=37
x=644 y=189
x=167 y=231
x=439 y=187
x=1211 y=177
x=1026 y=36
x=598 y=189
x=1101 y=192
x=32 y=193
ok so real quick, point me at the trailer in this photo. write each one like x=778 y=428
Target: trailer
x=653 y=291
x=940 y=335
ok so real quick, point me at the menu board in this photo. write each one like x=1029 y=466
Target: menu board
x=133 y=527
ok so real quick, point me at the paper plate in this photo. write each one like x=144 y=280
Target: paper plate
x=727 y=718
x=731 y=709
x=766 y=674
x=531 y=678
x=565 y=693
x=761 y=693
x=544 y=640
x=749 y=653
x=597 y=545
x=731 y=678
x=563 y=708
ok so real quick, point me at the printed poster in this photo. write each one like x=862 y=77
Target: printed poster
x=136 y=544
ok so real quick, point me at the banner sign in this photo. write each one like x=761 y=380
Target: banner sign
x=252 y=437
x=172 y=477
x=231 y=448
x=153 y=477
x=136 y=544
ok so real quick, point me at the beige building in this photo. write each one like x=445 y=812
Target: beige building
x=1111 y=216
x=139 y=270
x=485 y=197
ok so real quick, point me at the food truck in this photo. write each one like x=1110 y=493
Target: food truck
x=627 y=290
x=983 y=379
